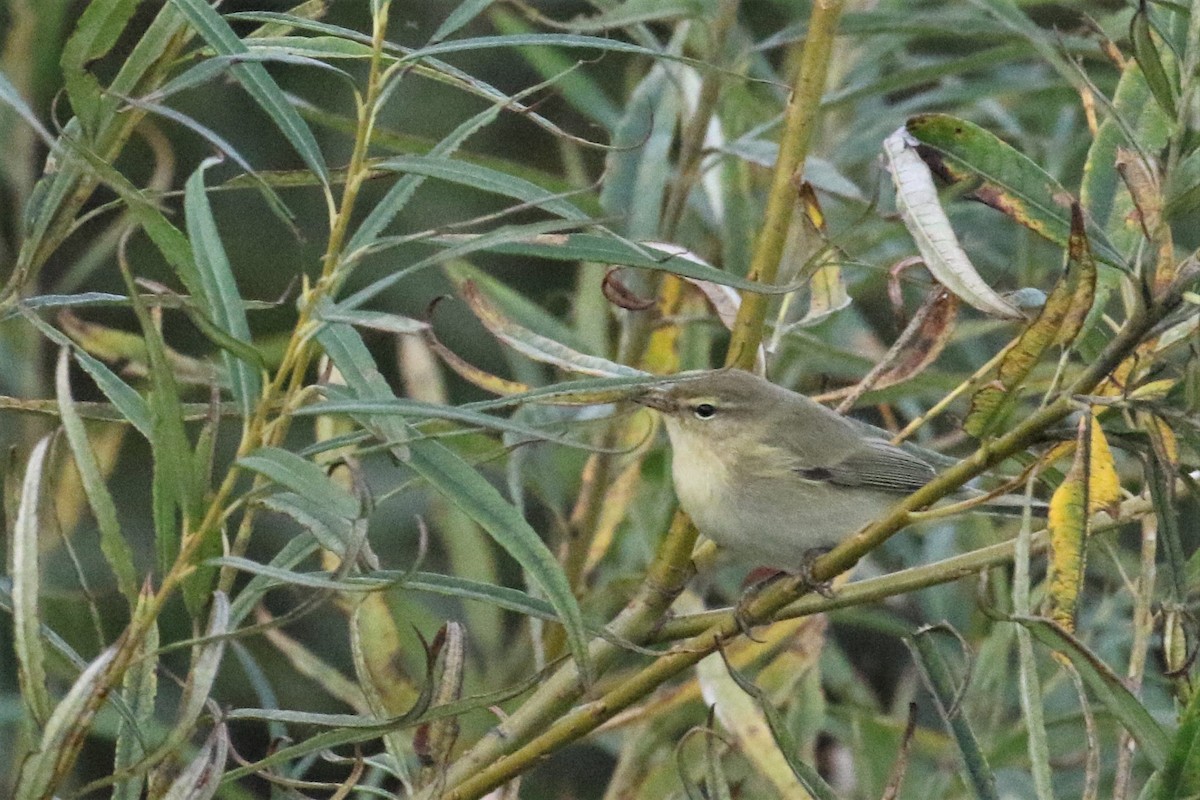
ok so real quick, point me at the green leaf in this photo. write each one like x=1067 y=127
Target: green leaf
x=577 y=87
x=977 y=773
x=788 y=747
x=342 y=402
x=460 y=484
x=176 y=486
x=202 y=674
x=112 y=541
x=10 y=95
x=220 y=293
x=131 y=405
x=1183 y=187
x=1145 y=51
x=1011 y=182
x=575 y=247
x=375 y=320
x=140 y=688
x=258 y=82
x=638 y=167
x=1181 y=773
x=459 y=17
x=1107 y=687
x=485 y=179
x=334 y=532
x=397 y=197
x=303 y=477
x=26 y=572
x=98 y=28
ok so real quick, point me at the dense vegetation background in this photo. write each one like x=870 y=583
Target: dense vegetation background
x=317 y=324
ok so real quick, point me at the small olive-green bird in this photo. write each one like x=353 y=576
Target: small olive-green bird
x=771 y=475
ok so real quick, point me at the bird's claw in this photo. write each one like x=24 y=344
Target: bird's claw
x=807 y=562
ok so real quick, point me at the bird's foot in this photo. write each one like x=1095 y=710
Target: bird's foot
x=756 y=585
x=805 y=571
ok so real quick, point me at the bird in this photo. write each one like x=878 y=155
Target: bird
x=775 y=477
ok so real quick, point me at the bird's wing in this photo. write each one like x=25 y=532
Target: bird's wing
x=874 y=465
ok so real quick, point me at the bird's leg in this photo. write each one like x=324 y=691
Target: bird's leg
x=752 y=591
x=805 y=571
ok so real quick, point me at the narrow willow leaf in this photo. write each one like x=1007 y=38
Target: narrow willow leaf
x=128 y=402
x=612 y=250
x=485 y=179
x=1083 y=299
x=1059 y=321
x=1068 y=529
x=397 y=197
x=536 y=346
x=334 y=532
x=460 y=484
x=1181 y=773
x=341 y=402
x=258 y=82
x=426 y=67
x=221 y=297
x=215 y=66
x=515 y=305
x=201 y=778
x=566 y=40
x=927 y=223
x=1146 y=52
x=458 y=247
x=1012 y=183
x=112 y=541
x=936 y=672
x=202 y=673
x=132 y=351
x=465 y=589
x=26 y=572
x=310 y=580
x=639 y=165
x=303 y=477
x=1033 y=709
x=175 y=485
x=65 y=731
x=917 y=346
x=140 y=688
x=459 y=18
x=1183 y=187
x=584 y=92
x=296 y=550
x=743 y=716
x=375 y=320
x=1107 y=687
x=13 y=98
x=131 y=405
x=434 y=741
x=73 y=179
x=1102 y=192
x=98 y=28
x=784 y=742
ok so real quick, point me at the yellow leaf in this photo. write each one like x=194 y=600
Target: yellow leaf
x=1104 y=487
x=1067 y=527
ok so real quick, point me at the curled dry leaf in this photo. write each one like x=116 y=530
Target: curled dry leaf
x=926 y=220
x=621 y=295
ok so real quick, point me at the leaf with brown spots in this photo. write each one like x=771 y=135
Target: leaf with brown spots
x=1008 y=181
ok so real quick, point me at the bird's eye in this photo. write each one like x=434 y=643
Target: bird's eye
x=705 y=411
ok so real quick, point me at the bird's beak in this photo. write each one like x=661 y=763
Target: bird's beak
x=657 y=399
